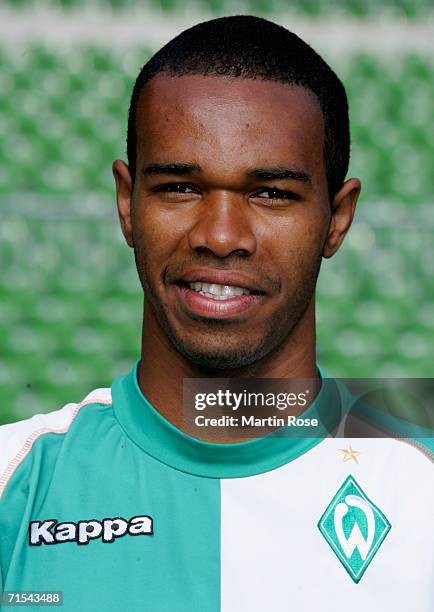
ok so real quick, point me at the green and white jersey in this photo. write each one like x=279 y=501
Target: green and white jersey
x=111 y=504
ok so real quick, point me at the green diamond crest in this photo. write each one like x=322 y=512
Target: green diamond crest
x=354 y=527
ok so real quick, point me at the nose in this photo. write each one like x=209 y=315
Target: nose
x=223 y=227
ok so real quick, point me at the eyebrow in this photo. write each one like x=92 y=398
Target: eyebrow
x=172 y=169
x=265 y=174
x=279 y=173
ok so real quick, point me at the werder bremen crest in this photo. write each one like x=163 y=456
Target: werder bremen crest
x=354 y=527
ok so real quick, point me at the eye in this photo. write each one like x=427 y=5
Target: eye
x=175 y=188
x=275 y=195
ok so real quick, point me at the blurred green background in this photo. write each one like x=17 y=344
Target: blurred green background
x=70 y=300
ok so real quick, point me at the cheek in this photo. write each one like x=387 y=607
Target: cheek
x=297 y=248
x=146 y=236
x=156 y=237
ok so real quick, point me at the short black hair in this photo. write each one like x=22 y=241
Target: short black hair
x=251 y=47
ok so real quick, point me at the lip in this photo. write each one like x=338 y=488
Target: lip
x=203 y=306
x=221 y=277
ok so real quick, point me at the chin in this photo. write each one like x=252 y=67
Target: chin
x=221 y=357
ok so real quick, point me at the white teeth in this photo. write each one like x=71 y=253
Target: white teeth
x=218 y=292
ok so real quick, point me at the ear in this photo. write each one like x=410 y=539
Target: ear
x=343 y=208
x=123 y=181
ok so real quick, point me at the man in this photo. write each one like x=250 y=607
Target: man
x=238 y=147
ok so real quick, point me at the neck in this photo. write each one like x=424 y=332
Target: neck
x=162 y=368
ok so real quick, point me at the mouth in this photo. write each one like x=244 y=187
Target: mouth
x=217 y=300
x=217 y=291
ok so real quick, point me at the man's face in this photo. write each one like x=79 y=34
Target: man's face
x=229 y=213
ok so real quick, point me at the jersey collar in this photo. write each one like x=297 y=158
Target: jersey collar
x=157 y=437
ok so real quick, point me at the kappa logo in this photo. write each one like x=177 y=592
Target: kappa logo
x=82 y=532
x=354 y=527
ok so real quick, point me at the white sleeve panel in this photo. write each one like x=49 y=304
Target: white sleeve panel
x=16 y=439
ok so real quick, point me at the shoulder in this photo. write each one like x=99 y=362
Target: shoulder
x=17 y=439
x=423 y=447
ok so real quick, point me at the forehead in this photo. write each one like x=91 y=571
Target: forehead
x=242 y=121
